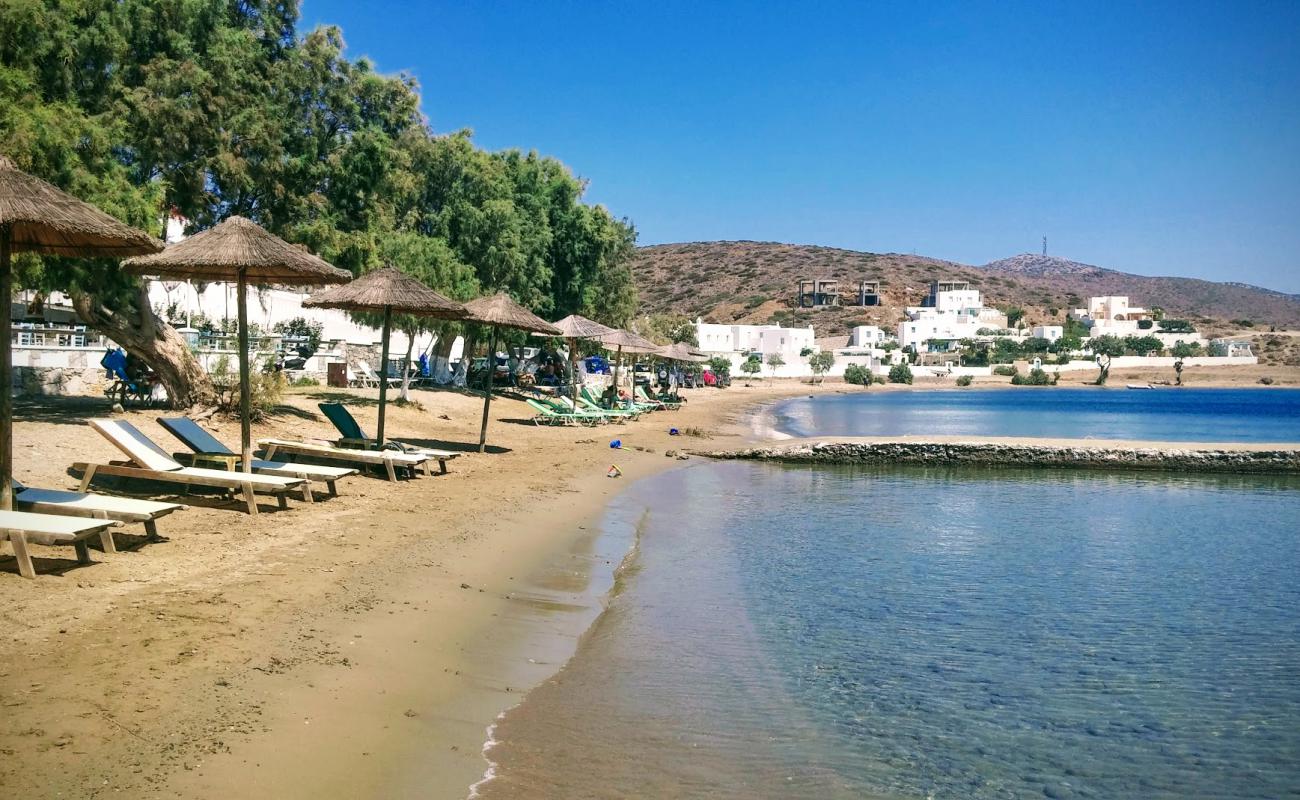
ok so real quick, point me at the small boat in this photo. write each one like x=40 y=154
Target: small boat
x=1138 y=386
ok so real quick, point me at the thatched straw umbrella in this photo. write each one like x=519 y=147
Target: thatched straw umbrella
x=681 y=352
x=573 y=328
x=626 y=340
x=384 y=291
x=241 y=250
x=38 y=218
x=500 y=311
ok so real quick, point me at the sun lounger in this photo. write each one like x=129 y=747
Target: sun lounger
x=644 y=397
x=390 y=460
x=353 y=436
x=152 y=463
x=546 y=415
x=564 y=405
x=369 y=378
x=96 y=506
x=24 y=527
x=589 y=401
x=209 y=449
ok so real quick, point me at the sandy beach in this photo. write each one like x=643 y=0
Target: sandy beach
x=357 y=647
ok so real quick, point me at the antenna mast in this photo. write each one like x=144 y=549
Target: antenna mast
x=1044 y=245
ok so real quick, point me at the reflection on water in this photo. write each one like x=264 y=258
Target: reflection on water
x=851 y=632
x=1172 y=415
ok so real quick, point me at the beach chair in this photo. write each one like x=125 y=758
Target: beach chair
x=667 y=405
x=565 y=405
x=547 y=415
x=150 y=462
x=353 y=436
x=96 y=506
x=369 y=378
x=390 y=460
x=208 y=449
x=24 y=527
x=589 y=401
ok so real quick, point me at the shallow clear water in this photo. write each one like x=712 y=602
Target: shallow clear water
x=854 y=632
x=1172 y=415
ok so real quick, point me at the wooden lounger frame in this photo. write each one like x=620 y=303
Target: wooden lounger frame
x=390 y=460
x=19 y=539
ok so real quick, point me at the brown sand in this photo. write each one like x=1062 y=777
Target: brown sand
x=357 y=647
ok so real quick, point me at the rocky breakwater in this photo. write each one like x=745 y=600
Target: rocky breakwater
x=1080 y=456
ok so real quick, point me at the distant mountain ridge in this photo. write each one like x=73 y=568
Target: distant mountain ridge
x=746 y=281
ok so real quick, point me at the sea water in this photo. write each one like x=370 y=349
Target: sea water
x=1165 y=414
x=826 y=632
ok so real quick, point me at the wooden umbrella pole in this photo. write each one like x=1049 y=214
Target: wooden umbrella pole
x=383 y=374
x=487 y=397
x=618 y=369
x=245 y=390
x=6 y=376
x=573 y=370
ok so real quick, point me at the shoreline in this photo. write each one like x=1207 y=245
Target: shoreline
x=358 y=647
x=329 y=650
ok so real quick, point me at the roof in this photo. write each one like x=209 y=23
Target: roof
x=501 y=310
x=387 y=288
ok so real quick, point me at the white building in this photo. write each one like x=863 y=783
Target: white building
x=867 y=336
x=1049 y=332
x=745 y=339
x=952 y=312
x=1113 y=316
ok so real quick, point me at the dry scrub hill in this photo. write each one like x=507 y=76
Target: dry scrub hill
x=756 y=282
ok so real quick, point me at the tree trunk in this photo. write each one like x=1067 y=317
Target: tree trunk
x=139 y=331
x=406 y=367
x=441 y=366
x=1104 y=367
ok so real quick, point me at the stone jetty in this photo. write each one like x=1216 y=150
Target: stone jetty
x=1263 y=459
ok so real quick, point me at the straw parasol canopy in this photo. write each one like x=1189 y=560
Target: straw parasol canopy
x=621 y=340
x=39 y=218
x=500 y=311
x=574 y=327
x=681 y=352
x=384 y=291
x=241 y=250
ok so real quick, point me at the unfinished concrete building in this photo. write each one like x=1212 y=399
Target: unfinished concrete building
x=819 y=293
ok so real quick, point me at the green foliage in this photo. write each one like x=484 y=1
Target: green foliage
x=720 y=366
x=1185 y=350
x=1014 y=315
x=774 y=360
x=1243 y=323
x=857 y=374
x=751 y=367
x=1005 y=369
x=1004 y=351
x=217 y=109
x=900 y=373
x=964 y=380
x=1176 y=326
x=805 y=352
x=1036 y=377
x=1068 y=343
x=1035 y=344
x=821 y=363
x=1144 y=345
x=1107 y=345
x=667 y=329
x=266 y=388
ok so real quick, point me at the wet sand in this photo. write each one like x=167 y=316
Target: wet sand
x=356 y=647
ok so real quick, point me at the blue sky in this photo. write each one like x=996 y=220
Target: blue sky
x=1157 y=138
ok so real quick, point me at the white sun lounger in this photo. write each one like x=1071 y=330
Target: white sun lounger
x=95 y=506
x=390 y=460
x=23 y=527
x=153 y=464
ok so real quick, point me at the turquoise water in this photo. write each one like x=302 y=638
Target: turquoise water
x=853 y=632
x=1171 y=415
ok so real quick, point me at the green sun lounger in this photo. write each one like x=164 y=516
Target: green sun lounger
x=668 y=405
x=208 y=449
x=351 y=435
x=546 y=415
x=589 y=401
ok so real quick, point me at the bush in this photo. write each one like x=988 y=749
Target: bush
x=1036 y=377
x=857 y=374
x=1006 y=369
x=1266 y=380
x=304 y=380
x=963 y=380
x=900 y=373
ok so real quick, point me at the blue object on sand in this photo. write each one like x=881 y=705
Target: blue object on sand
x=673 y=432
x=616 y=444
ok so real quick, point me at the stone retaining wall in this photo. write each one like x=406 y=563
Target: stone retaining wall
x=1020 y=455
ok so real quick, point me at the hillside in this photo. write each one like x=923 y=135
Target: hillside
x=757 y=282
